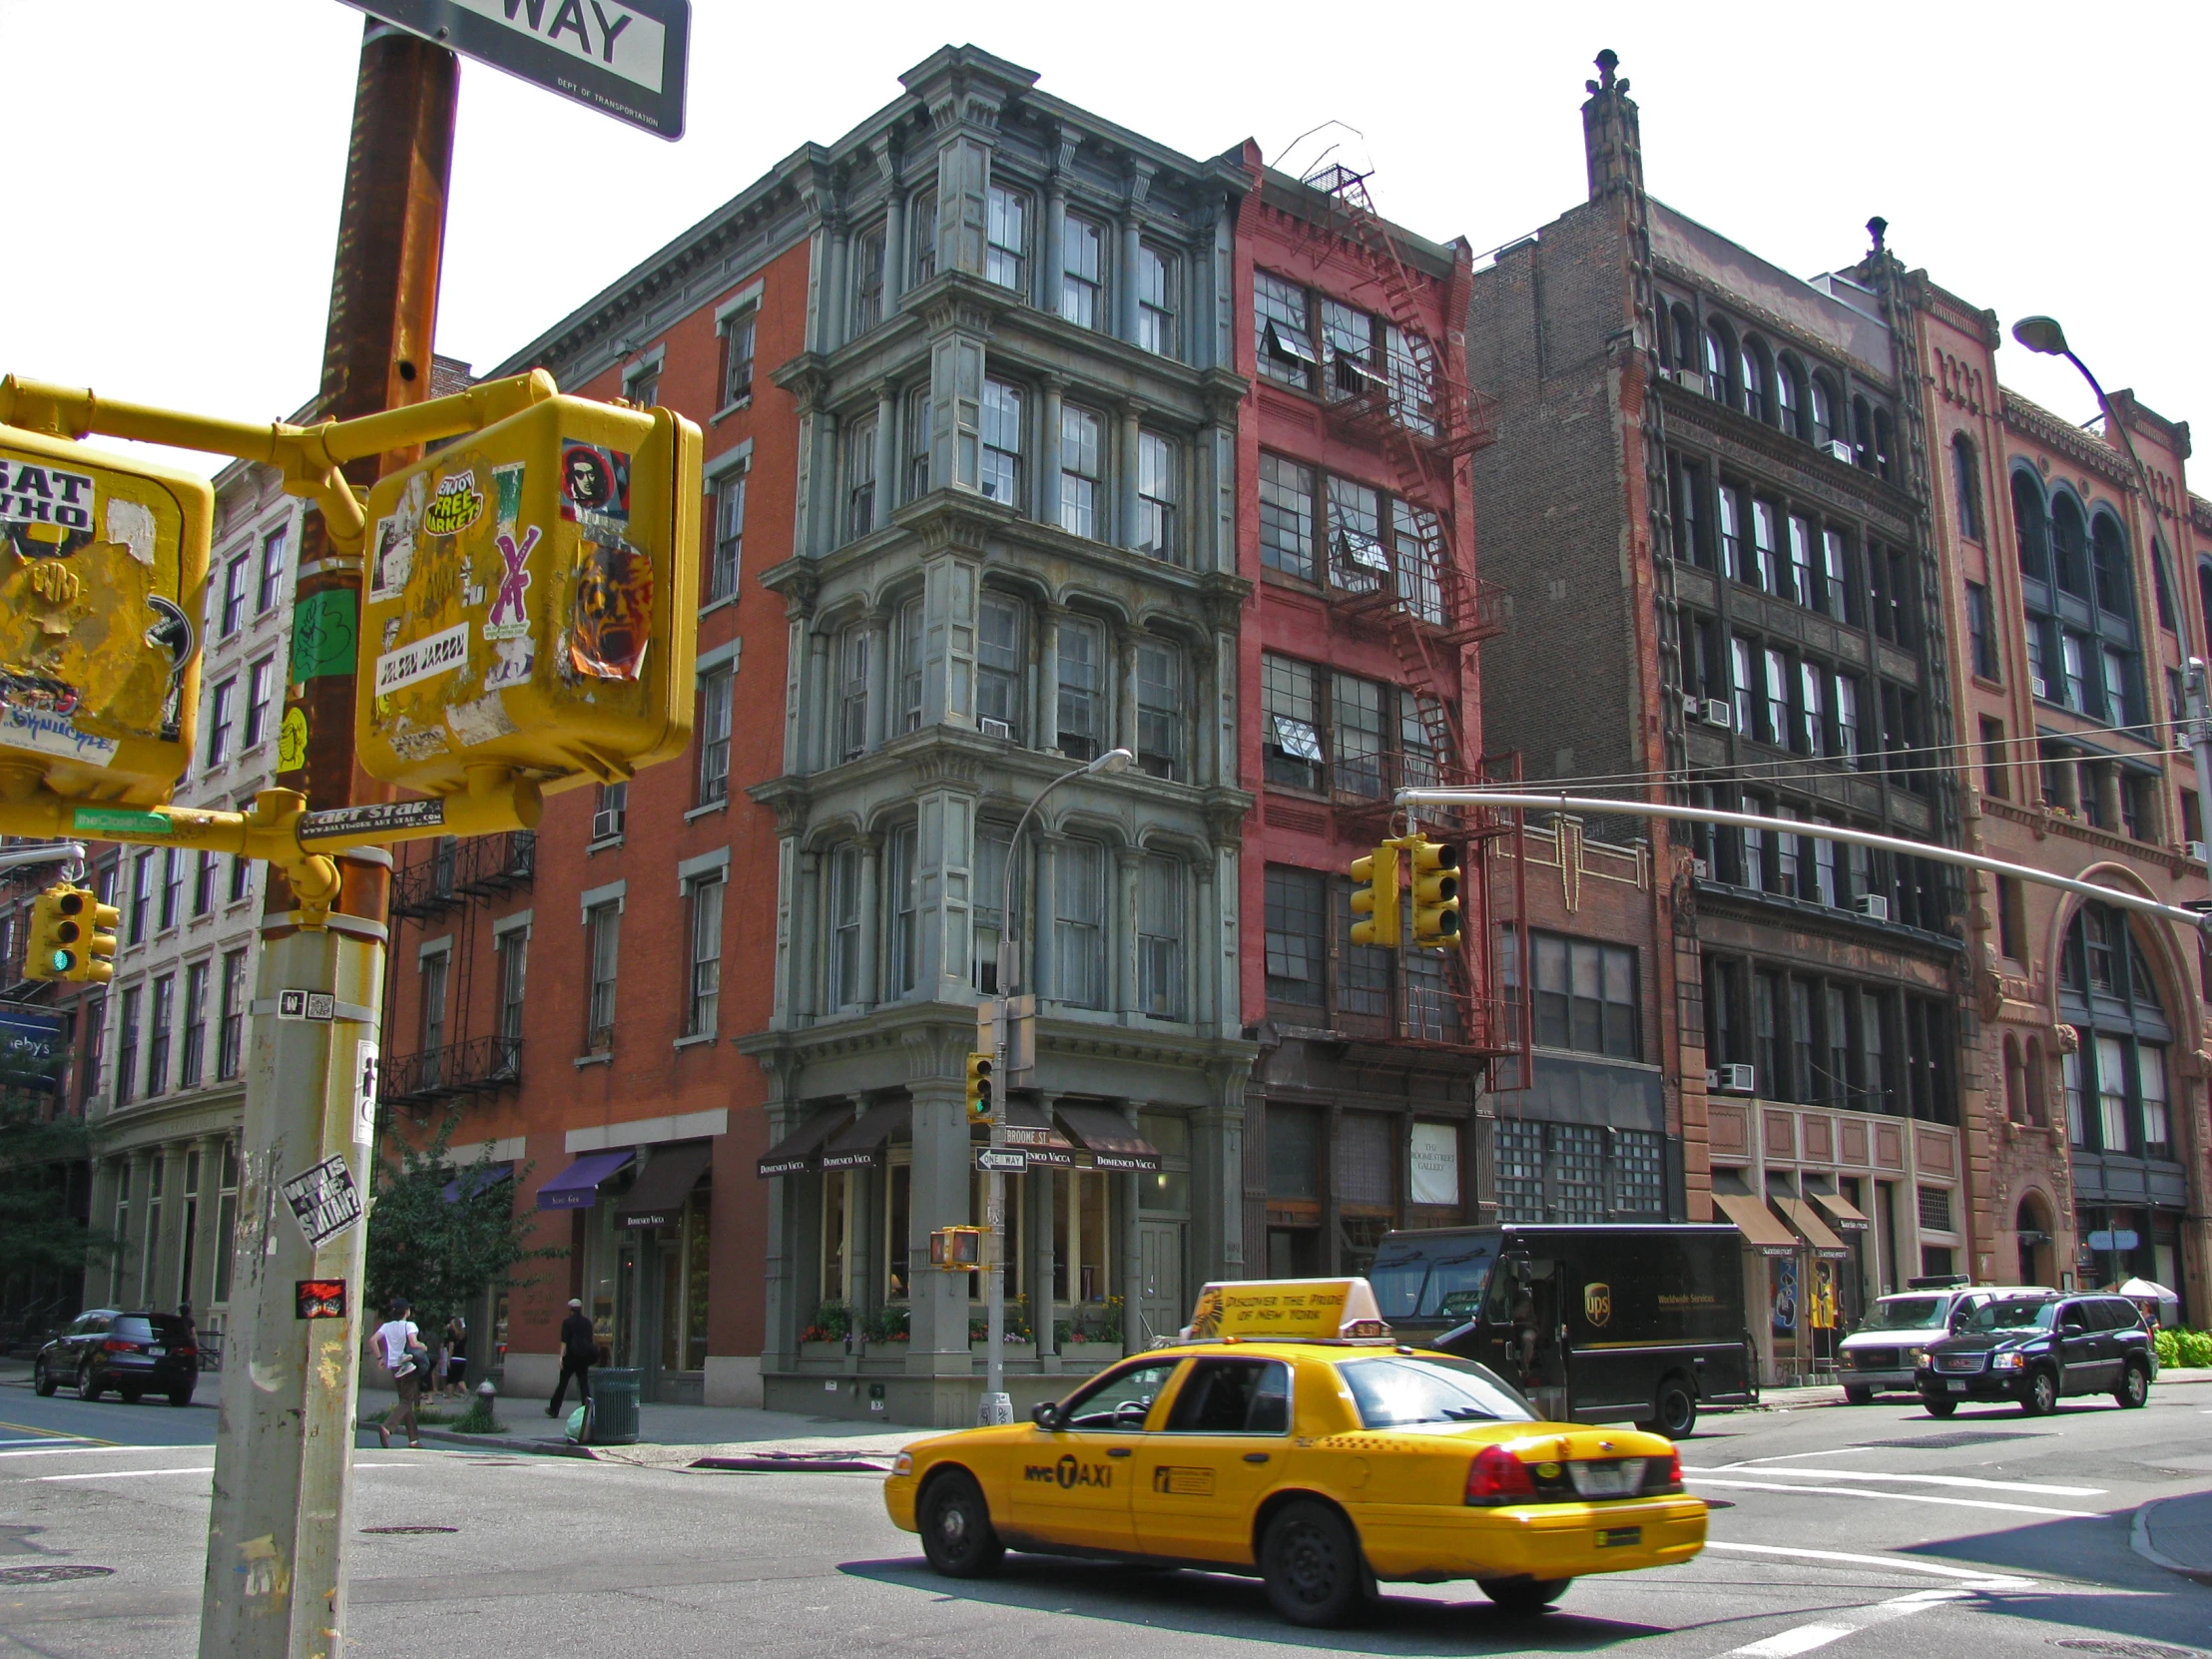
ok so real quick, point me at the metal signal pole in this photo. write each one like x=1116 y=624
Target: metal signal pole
x=275 y=1586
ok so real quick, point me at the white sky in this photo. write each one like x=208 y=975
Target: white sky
x=169 y=240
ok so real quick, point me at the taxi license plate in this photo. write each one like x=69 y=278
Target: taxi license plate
x=1618 y=1479
x=1618 y=1537
x=1958 y=1386
x=156 y=1353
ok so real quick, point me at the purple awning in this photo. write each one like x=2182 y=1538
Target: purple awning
x=577 y=1187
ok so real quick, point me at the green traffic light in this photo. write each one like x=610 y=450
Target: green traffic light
x=63 y=962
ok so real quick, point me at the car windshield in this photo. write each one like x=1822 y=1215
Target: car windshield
x=1904 y=1312
x=1409 y=1389
x=2012 y=1316
x=1436 y=1281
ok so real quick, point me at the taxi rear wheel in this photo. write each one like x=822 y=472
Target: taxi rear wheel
x=1523 y=1595
x=956 y=1531
x=1310 y=1561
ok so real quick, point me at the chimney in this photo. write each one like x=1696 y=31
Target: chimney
x=1610 y=139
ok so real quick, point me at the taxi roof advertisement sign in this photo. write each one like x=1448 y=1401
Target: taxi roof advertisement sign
x=1280 y=1309
x=624 y=58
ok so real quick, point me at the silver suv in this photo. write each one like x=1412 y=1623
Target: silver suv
x=1886 y=1349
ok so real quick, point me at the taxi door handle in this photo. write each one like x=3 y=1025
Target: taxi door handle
x=1117 y=1451
x=1255 y=1457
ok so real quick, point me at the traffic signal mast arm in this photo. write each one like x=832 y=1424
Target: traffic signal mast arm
x=2199 y=920
x=309 y=457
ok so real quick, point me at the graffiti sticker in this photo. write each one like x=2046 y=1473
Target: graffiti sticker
x=595 y=487
x=438 y=653
x=614 y=612
x=508 y=619
x=457 y=505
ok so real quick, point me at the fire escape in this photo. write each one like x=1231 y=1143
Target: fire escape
x=1419 y=411
x=452 y=879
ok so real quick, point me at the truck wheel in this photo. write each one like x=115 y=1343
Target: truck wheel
x=956 y=1531
x=2041 y=1398
x=2134 y=1389
x=1310 y=1561
x=1858 y=1394
x=1523 y=1596
x=1673 y=1413
x=1937 y=1405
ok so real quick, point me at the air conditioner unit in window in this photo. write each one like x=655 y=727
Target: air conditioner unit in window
x=1873 y=904
x=996 y=728
x=2195 y=849
x=1689 y=380
x=1732 y=1079
x=606 y=823
x=1841 y=451
x=1718 y=712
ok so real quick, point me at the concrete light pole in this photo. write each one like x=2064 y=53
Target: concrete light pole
x=996 y=1406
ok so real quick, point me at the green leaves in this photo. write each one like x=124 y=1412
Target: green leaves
x=442 y=1255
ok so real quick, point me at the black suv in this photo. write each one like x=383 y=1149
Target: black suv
x=133 y=1353
x=2034 y=1351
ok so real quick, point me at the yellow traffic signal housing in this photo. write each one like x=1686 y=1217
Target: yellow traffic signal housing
x=956 y=1249
x=43 y=954
x=103 y=582
x=979 y=1088
x=530 y=601
x=1435 y=888
x=1374 y=901
x=84 y=935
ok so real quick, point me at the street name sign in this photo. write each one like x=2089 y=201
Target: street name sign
x=624 y=58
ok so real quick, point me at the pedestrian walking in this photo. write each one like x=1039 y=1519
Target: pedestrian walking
x=579 y=1347
x=456 y=1356
x=407 y=1362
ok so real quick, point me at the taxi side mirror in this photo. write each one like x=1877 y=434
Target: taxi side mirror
x=1045 y=1414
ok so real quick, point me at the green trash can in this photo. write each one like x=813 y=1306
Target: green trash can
x=613 y=1406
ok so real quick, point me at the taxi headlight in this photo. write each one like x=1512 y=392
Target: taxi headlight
x=2007 y=1361
x=903 y=1463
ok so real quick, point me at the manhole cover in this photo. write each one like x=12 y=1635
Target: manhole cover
x=51 y=1575
x=410 y=1530
x=2129 y=1650
x=1960 y=1438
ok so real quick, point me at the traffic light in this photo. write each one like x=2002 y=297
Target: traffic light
x=1374 y=899
x=84 y=936
x=1436 y=882
x=43 y=955
x=979 y=1088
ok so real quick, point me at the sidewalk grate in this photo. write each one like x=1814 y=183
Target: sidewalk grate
x=408 y=1531
x=51 y=1575
x=2129 y=1650
x=1958 y=1438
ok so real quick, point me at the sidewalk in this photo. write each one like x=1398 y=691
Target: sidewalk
x=676 y=1436
x=2176 y=1533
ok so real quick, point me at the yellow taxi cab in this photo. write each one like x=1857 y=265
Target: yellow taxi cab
x=1287 y=1436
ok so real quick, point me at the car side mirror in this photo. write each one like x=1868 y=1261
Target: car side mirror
x=1045 y=1414
x=2072 y=1326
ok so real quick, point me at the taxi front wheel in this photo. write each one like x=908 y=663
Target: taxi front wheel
x=1523 y=1595
x=1310 y=1559
x=956 y=1531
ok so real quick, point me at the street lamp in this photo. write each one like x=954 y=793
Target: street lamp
x=2043 y=335
x=996 y=1406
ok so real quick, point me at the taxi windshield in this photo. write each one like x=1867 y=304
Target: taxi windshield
x=1904 y=1312
x=2012 y=1316
x=1439 y=1279
x=1428 y=1388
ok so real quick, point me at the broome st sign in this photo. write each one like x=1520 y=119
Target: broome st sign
x=624 y=58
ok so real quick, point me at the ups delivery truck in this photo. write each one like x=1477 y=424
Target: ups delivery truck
x=1639 y=1324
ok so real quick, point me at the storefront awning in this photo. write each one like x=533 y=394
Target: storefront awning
x=478 y=1178
x=577 y=1187
x=1030 y=1128
x=1758 y=1224
x=664 y=1183
x=1809 y=1225
x=1106 y=1135
x=860 y=1145
x=794 y=1153
x=1841 y=1213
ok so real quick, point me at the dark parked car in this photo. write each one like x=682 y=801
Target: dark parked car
x=132 y=1353
x=2034 y=1351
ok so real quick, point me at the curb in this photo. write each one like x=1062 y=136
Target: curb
x=790 y=1462
x=2138 y=1539
x=498 y=1442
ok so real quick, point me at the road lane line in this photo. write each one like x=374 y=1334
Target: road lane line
x=1927 y=1480
x=101 y=1446
x=1899 y=1497
x=1889 y=1563
x=51 y=1433
x=1785 y=1644
x=123 y=1475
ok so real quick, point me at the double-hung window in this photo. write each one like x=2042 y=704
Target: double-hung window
x=1409 y=361
x=141 y=894
x=867 y=280
x=716 y=689
x=193 y=1064
x=740 y=336
x=701 y=1017
x=1838 y=590
x=1357 y=737
x=914 y=422
x=1160 y=930
x=728 y=534
x=1732 y=535
x=233 y=595
x=1812 y=723
x=859 y=478
x=1777 y=728
x=1155 y=301
x=260 y=694
x=222 y=720
x=1982 y=631
x=1291 y=743
x=853 y=647
x=203 y=880
x=230 y=1029
x=1082 y=272
x=1006 y=238
x=988 y=889
x=173 y=884
x=1744 y=681
x=272 y=585
x=1081 y=472
x=1803 y=579
x=602 y=929
x=1285 y=516
x=1585 y=996
x=1847 y=719
x=1163 y=721
x=1001 y=653
x=904 y=957
x=1157 y=496
x=1284 y=330
x=909 y=666
x=922 y=235
x=844 y=927
x=158 y=1034
x=514 y=982
x=1296 y=941
x=1003 y=447
x=1079 y=922
x=1083 y=690
x=127 y=1046
x=1765 y=549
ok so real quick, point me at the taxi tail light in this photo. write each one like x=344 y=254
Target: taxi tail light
x=1498 y=1476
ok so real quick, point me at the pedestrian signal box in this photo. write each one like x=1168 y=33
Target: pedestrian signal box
x=529 y=602
x=103 y=581
x=956 y=1249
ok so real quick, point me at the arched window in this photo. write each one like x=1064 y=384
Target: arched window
x=2162 y=587
x=2117 y=1086
x=2204 y=591
x=1755 y=369
x=2069 y=545
x=2031 y=525
x=1885 y=446
x=1681 y=337
x=1824 y=411
x=1719 y=358
x=1861 y=433
x=1789 y=397
x=1965 y=479
x=2016 y=1082
x=2111 y=558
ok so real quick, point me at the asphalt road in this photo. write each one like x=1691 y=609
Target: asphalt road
x=1865 y=1531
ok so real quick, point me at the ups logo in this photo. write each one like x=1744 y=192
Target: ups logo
x=1597 y=1303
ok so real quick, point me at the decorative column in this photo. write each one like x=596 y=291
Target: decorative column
x=134 y=1244
x=938 y=1196
x=211 y=1241
x=872 y=886
x=1121 y=938
x=894 y=228
x=1056 y=220
x=1048 y=451
x=1048 y=678
x=808 y=910
x=1127 y=1243
x=780 y=1334
x=104 y=1180
x=1131 y=238
x=1039 y=979
x=886 y=425
x=1125 y=492
x=875 y=729
x=1125 y=693
x=1042 y=1307
x=823 y=747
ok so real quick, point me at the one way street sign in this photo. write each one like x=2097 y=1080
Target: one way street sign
x=1006 y=1161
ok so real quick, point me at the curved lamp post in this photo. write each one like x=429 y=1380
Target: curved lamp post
x=996 y=1406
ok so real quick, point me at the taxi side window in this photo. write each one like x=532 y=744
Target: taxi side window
x=1118 y=1402
x=1234 y=1396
